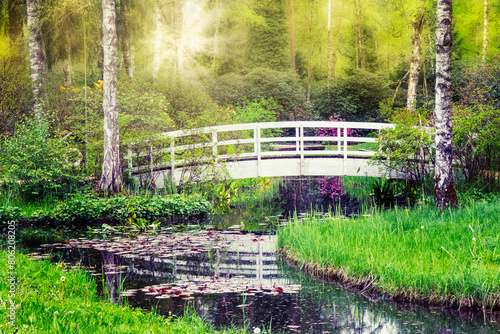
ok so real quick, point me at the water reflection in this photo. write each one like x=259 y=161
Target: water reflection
x=248 y=260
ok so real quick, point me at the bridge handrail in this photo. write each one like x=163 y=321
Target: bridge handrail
x=276 y=125
x=299 y=139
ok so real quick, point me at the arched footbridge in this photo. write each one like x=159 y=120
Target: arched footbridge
x=274 y=149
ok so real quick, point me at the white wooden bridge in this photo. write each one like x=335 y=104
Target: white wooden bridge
x=274 y=149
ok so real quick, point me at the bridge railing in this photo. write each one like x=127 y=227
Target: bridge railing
x=260 y=141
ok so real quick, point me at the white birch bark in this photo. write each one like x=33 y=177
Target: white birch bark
x=444 y=188
x=67 y=69
x=37 y=58
x=485 y=31
x=158 y=40
x=111 y=177
x=416 y=47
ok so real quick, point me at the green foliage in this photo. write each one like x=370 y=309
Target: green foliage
x=408 y=147
x=224 y=196
x=15 y=86
x=268 y=41
x=190 y=105
x=10 y=213
x=469 y=194
x=257 y=111
x=58 y=300
x=34 y=162
x=143 y=112
x=384 y=193
x=85 y=208
x=283 y=87
x=476 y=136
x=354 y=98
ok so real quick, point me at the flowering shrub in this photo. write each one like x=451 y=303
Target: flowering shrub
x=333 y=132
x=331 y=187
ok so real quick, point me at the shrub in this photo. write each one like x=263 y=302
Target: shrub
x=125 y=209
x=257 y=111
x=35 y=162
x=408 y=147
x=9 y=213
x=354 y=98
x=283 y=87
x=331 y=187
x=476 y=136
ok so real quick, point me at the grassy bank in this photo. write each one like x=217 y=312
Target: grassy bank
x=53 y=301
x=448 y=259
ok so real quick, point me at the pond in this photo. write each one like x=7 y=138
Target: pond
x=235 y=278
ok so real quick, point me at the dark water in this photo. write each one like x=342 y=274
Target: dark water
x=234 y=278
x=221 y=262
x=293 y=196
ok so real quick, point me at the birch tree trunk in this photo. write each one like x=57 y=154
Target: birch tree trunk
x=416 y=47
x=485 y=31
x=218 y=11
x=111 y=177
x=158 y=40
x=444 y=187
x=291 y=13
x=67 y=69
x=127 y=46
x=37 y=58
x=309 y=56
x=329 y=52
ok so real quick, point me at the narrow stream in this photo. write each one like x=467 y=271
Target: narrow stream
x=235 y=278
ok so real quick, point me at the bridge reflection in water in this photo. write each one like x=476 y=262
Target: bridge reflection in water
x=245 y=258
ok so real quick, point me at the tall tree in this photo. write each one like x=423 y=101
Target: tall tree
x=268 y=41
x=291 y=14
x=158 y=39
x=111 y=177
x=218 y=14
x=329 y=52
x=444 y=187
x=37 y=57
x=126 y=40
x=309 y=51
x=416 y=47
x=485 y=31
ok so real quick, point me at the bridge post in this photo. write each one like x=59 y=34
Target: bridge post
x=215 y=146
x=151 y=160
x=257 y=148
x=301 y=150
x=345 y=150
x=129 y=158
x=172 y=157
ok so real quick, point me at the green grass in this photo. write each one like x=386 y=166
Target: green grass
x=449 y=259
x=47 y=304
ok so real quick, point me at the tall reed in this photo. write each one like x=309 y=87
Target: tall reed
x=447 y=258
